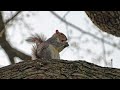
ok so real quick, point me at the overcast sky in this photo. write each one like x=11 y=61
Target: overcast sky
x=46 y=23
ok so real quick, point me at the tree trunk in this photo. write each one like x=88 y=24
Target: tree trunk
x=108 y=21
x=57 y=69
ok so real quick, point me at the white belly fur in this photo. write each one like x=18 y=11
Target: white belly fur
x=54 y=52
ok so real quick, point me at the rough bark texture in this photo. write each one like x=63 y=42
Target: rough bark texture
x=57 y=69
x=107 y=21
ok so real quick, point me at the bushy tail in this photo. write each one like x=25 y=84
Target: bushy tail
x=37 y=38
x=34 y=53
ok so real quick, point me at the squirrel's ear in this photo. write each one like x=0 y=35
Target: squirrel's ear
x=57 y=31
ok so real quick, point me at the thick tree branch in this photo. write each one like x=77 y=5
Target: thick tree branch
x=12 y=52
x=57 y=69
x=107 y=21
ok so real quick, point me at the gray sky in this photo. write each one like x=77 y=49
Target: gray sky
x=44 y=22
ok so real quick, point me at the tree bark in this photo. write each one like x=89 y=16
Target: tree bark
x=107 y=21
x=57 y=69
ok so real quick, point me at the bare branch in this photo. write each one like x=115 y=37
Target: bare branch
x=5 y=24
x=10 y=51
x=1 y=33
x=20 y=55
x=13 y=17
x=104 y=50
x=66 y=14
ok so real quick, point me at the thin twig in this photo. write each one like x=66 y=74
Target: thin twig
x=104 y=51
x=13 y=17
x=112 y=63
x=66 y=14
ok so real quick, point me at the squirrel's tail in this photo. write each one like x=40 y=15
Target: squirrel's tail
x=34 y=52
x=36 y=38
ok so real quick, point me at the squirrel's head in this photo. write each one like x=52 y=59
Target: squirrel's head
x=60 y=40
x=60 y=36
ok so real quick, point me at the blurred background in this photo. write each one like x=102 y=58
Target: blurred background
x=87 y=42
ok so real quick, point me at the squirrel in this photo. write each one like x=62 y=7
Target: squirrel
x=50 y=48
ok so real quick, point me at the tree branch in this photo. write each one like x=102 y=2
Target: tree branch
x=107 y=21
x=13 y=17
x=2 y=30
x=10 y=51
x=66 y=14
x=57 y=69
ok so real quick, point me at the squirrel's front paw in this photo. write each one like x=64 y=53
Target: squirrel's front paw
x=66 y=44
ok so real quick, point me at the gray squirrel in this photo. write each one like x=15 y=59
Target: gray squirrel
x=50 y=48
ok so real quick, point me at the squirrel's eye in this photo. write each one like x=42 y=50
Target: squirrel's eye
x=61 y=33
